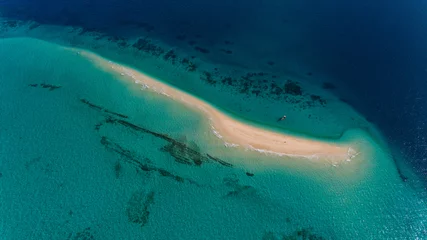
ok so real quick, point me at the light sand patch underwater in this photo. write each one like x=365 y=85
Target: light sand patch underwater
x=232 y=132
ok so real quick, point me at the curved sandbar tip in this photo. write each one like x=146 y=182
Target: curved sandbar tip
x=231 y=131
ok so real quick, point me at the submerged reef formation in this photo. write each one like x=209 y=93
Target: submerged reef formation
x=138 y=206
x=181 y=151
x=268 y=85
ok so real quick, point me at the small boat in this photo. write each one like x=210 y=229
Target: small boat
x=282 y=118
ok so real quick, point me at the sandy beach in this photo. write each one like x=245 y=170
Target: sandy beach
x=231 y=131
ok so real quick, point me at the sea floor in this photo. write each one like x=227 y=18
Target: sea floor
x=87 y=156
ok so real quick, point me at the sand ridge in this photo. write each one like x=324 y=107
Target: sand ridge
x=232 y=132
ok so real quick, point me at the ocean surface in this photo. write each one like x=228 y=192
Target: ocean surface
x=85 y=155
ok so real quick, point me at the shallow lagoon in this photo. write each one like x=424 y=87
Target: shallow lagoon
x=70 y=170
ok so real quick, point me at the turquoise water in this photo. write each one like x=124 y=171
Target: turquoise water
x=84 y=156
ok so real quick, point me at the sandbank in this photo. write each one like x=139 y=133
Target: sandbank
x=231 y=131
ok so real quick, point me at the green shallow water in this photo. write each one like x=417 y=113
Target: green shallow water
x=72 y=170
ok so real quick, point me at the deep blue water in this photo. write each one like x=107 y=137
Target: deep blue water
x=374 y=52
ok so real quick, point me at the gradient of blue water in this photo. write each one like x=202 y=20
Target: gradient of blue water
x=59 y=180
x=374 y=52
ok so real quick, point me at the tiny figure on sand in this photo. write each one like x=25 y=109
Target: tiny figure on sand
x=282 y=118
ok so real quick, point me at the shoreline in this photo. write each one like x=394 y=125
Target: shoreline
x=231 y=131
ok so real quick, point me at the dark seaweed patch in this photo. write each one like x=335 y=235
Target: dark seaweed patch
x=292 y=88
x=207 y=76
x=220 y=161
x=181 y=151
x=202 y=50
x=316 y=98
x=117 y=169
x=116 y=114
x=131 y=157
x=146 y=26
x=148 y=47
x=90 y=104
x=120 y=41
x=44 y=85
x=190 y=66
x=137 y=208
x=83 y=235
x=181 y=37
x=226 y=42
x=10 y=23
x=237 y=188
x=328 y=85
x=401 y=175
x=170 y=55
x=101 y=109
x=226 y=51
x=34 y=26
x=302 y=234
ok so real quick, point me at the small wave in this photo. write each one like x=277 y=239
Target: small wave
x=226 y=144
x=216 y=132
